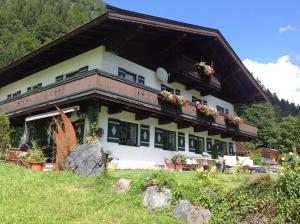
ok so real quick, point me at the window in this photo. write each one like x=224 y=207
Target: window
x=16 y=94
x=71 y=74
x=9 y=96
x=164 y=87
x=222 y=110
x=177 y=92
x=141 y=80
x=230 y=149
x=122 y=132
x=196 y=144
x=221 y=147
x=38 y=86
x=209 y=144
x=165 y=139
x=127 y=75
x=83 y=69
x=29 y=89
x=59 y=78
x=204 y=102
x=128 y=134
x=195 y=99
x=266 y=154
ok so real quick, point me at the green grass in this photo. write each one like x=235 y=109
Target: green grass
x=50 y=197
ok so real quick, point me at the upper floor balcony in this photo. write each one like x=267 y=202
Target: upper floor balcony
x=119 y=94
x=184 y=70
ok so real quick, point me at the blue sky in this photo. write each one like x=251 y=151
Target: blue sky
x=262 y=31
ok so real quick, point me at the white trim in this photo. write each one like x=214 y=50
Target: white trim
x=52 y=114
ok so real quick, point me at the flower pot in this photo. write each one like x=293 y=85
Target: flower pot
x=178 y=167
x=38 y=166
x=169 y=107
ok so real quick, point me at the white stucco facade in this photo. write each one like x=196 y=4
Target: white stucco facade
x=126 y=156
x=99 y=58
x=143 y=157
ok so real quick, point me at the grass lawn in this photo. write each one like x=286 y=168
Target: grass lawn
x=50 y=197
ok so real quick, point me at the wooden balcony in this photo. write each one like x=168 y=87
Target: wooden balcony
x=183 y=70
x=117 y=93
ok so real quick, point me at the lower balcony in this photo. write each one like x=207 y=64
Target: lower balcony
x=120 y=94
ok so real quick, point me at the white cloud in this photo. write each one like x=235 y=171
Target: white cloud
x=286 y=28
x=281 y=77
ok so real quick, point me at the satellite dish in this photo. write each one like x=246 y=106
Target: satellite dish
x=162 y=74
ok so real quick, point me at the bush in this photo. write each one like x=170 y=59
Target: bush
x=256 y=157
x=163 y=178
x=288 y=189
x=4 y=132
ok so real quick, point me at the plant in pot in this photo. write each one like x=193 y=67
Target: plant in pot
x=36 y=157
x=178 y=161
x=203 y=68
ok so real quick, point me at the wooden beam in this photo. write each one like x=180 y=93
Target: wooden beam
x=115 y=110
x=200 y=129
x=227 y=135
x=213 y=132
x=182 y=125
x=142 y=116
x=162 y=121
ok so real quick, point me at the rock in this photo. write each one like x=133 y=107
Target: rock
x=122 y=185
x=156 y=197
x=188 y=213
x=86 y=159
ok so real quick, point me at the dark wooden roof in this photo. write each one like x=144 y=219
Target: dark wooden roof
x=149 y=41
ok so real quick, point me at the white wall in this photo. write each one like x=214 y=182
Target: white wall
x=92 y=58
x=109 y=62
x=112 y=62
x=141 y=156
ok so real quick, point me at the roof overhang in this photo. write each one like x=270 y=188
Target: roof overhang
x=149 y=41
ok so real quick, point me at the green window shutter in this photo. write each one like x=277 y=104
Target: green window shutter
x=192 y=143
x=181 y=141
x=159 y=134
x=113 y=130
x=145 y=135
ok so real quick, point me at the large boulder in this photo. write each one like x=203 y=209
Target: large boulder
x=156 y=197
x=86 y=159
x=190 y=214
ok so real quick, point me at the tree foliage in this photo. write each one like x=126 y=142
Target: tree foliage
x=4 y=131
x=27 y=24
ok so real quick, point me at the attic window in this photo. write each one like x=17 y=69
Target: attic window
x=59 y=78
x=36 y=87
x=127 y=75
x=16 y=94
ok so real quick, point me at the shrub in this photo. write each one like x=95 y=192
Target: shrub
x=4 y=132
x=288 y=189
x=2 y=154
x=256 y=157
x=163 y=178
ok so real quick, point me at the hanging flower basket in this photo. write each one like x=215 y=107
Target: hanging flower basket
x=203 y=68
x=172 y=98
x=206 y=110
x=233 y=119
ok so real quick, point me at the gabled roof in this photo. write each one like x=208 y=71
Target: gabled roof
x=147 y=40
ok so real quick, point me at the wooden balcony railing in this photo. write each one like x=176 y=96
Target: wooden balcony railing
x=111 y=88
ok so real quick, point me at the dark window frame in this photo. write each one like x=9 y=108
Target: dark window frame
x=209 y=145
x=199 y=146
x=127 y=124
x=37 y=86
x=123 y=73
